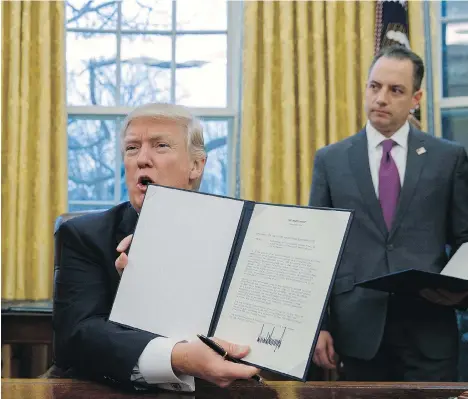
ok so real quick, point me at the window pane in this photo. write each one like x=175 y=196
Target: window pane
x=93 y=14
x=455 y=59
x=454 y=8
x=146 y=69
x=201 y=70
x=87 y=207
x=91 y=158
x=201 y=14
x=216 y=134
x=147 y=14
x=123 y=186
x=91 y=68
x=454 y=123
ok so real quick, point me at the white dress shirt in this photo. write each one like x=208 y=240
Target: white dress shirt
x=399 y=151
x=155 y=368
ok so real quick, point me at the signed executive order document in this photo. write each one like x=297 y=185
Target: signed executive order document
x=280 y=285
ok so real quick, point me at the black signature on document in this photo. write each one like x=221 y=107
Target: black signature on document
x=267 y=336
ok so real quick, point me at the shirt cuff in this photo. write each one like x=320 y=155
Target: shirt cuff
x=155 y=367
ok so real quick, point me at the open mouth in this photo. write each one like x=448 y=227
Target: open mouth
x=144 y=181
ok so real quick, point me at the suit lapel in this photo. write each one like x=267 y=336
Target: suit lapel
x=127 y=224
x=128 y=218
x=359 y=164
x=414 y=166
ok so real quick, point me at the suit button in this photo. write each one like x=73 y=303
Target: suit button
x=390 y=247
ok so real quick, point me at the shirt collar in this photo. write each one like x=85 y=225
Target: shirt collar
x=375 y=138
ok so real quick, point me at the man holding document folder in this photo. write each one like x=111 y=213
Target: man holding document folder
x=409 y=191
x=161 y=144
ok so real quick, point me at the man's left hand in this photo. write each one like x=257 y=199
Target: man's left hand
x=122 y=260
x=443 y=297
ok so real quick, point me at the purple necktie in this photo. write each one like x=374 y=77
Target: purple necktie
x=389 y=183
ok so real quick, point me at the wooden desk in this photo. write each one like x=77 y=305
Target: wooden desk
x=27 y=325
x=27 y=322
x=70 y=389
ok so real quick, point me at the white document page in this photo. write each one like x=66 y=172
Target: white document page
x=458 y=264
x=280 y=284
x=177 y=261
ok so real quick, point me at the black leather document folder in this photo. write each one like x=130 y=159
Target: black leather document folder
x=242 y=271
x=411 y=281
x=454 y=277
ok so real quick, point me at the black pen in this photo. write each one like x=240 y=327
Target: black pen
x=220 y=351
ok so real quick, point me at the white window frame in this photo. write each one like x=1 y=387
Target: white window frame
x=447 y=102
x=231 y=111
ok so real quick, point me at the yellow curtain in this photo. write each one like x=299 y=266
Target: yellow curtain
x=304 y=71
x=34 y=148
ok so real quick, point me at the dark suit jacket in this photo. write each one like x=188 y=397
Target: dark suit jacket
x=86 y=281
x=432 y=213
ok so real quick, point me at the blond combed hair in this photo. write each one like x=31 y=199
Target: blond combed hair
x=178 y=114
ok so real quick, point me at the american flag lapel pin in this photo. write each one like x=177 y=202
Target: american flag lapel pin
x=420 y=150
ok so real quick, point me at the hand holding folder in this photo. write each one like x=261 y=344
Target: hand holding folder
x=120 y=264
x=443 y=297
x=449 y=287
x=222 y=352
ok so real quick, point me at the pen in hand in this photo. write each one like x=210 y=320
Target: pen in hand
x=220 y=351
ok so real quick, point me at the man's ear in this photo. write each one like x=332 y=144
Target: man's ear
x=197 y=168
x=417 y=98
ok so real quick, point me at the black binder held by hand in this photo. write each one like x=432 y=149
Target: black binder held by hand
x=246 y=272
x=454 y=278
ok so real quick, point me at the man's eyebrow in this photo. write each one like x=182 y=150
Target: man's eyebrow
x=394 y=86
x=159 y=136
x=152 y=136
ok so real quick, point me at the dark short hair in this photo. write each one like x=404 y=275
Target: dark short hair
x=400 y=52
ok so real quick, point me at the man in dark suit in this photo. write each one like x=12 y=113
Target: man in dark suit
x=162 y=144
x=409 y=191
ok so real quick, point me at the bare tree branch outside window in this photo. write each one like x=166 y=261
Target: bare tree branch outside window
x=92 y=69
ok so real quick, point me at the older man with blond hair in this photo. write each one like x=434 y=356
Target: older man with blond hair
x=162 y=144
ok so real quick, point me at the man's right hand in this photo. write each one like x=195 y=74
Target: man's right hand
x=198 y=360
x=324 y=355
x=195 y=358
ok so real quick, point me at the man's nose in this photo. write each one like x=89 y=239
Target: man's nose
x=144 y=158
x=382 y=97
